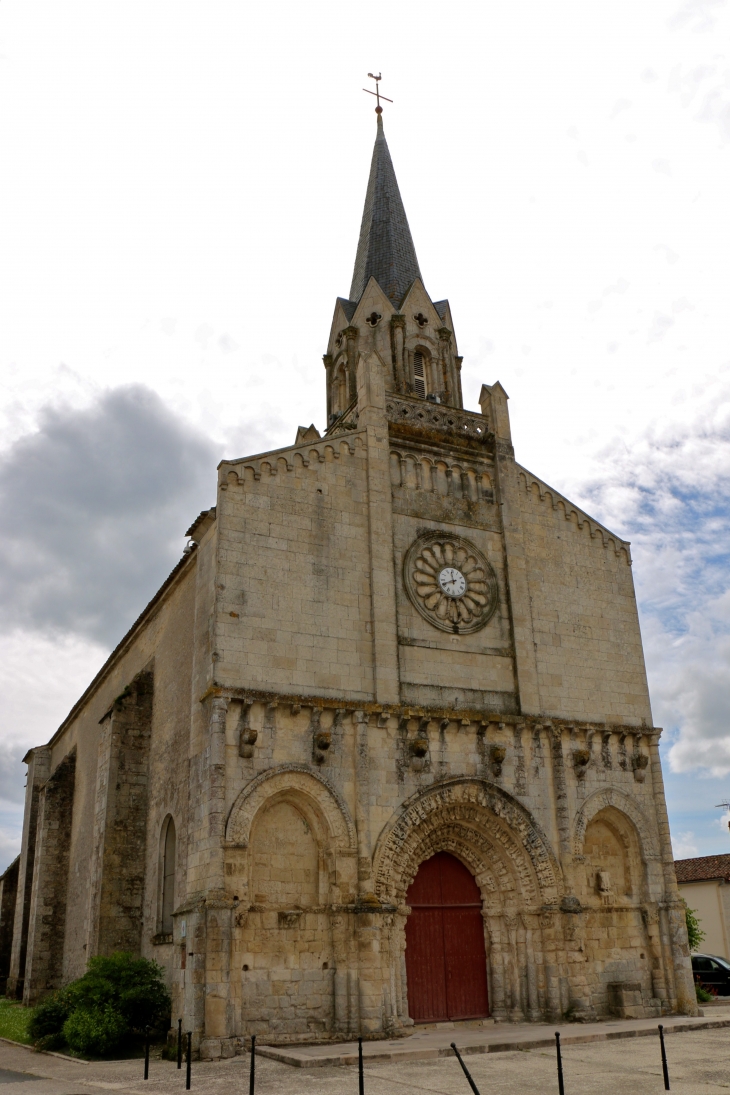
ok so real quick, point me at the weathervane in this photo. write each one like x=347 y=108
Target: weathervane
x=376 y=93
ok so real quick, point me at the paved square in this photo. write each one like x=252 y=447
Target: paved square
x=699 y=1064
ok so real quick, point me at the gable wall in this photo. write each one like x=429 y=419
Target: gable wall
x=294 y=608
x=590 y=662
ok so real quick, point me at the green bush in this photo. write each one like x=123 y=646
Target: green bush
x=703 y=996
x=97 y=1031
x=46 y=1022
x=131 y=986
x=117 y=997
x=695 y=934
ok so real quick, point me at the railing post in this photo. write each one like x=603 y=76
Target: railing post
x=146 y=1053
x=561 y=1085
x=467 y=1073
x=188 y=1060
x=360 y=1075
x=665 y=1069
x=179 y=1043
x=252 y=1072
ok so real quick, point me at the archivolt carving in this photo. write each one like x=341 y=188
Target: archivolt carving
x=611 y=796
x=291 y=779
x=482 y=825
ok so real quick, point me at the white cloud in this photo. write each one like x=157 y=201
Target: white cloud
x=684 y=846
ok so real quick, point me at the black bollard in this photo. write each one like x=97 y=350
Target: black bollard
x=472 y=1085
x=664 y=1058
x=146 y=1053
x=188 y=1060
x=252 y=1073
x=179 y=1043
x=561 y=1085
x=360 y=1075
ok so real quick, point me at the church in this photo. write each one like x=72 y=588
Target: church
x=380 y=750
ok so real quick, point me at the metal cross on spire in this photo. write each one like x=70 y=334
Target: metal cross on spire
x=376 y=93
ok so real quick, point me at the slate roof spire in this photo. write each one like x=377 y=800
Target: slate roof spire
x=385 y=250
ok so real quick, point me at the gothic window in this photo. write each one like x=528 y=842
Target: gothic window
x=419 y=374
x=167 y=901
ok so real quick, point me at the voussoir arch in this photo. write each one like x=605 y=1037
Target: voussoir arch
x=292 y=781
x=619 y=800
x=495 y=820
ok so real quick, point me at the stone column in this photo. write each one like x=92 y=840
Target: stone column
x=339 y=950
x=495 y=931
x=562 y=811
x=8 y=899
x=371 y=411
x=447 y=367
x=218 y=1020
x=493 y=401
x=362 y=803
x=397 y=333
x=216 y=778
x=351 y=334
x=118 y=867
x=676 y=924
x=327 y=359
x=457 y=373
x=650 y=915
x=39 y=769
x=49 y=897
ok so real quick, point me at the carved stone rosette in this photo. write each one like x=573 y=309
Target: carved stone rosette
x=427 y=564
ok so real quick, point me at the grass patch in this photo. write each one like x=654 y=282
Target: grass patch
x=14 y=1019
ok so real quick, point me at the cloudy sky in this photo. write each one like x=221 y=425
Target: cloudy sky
x=179 y=207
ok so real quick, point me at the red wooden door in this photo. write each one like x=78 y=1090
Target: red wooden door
x=445 y=959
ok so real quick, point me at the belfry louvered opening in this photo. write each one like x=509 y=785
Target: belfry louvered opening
x=419 y=375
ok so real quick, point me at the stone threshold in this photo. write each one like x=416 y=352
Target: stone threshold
x=429 y=1044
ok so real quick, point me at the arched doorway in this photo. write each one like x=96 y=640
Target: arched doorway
x=446 y=963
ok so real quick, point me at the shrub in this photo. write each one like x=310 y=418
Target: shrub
x=695 y=934
x=46 y=1022
x=131 y=986
x=117 y=996
x=703 y=995
x=97 y=1031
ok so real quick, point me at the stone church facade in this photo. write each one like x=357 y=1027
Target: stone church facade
x=380 y=750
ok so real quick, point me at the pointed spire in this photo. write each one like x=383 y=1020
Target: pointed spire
x=385 y=250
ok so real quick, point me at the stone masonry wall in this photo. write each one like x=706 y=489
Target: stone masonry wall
x=590 y=662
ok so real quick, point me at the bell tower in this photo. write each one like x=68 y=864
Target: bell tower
x=388 y=314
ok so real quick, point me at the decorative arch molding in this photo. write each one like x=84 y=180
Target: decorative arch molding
x=292 y=781
x=480 y=823
x=619 y=800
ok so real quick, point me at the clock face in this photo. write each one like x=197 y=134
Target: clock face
x=450 y=582
x=453 y=582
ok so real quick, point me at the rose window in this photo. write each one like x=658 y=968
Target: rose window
x=450 y=582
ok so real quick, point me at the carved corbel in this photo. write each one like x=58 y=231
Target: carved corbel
x=581 y=760
x=497 y=753
x=247 y=735
x=639 y=762
x=418 y=746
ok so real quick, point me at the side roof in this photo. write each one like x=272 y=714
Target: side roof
x=704 y=868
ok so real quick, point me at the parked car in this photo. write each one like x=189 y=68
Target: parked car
x=712 y=972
